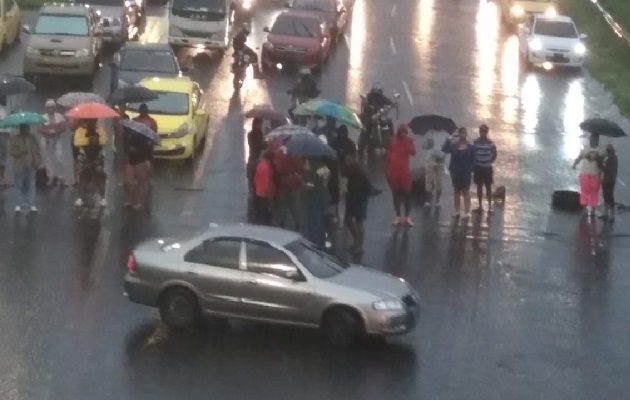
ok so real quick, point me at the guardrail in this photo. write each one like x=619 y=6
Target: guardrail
x=614 y=25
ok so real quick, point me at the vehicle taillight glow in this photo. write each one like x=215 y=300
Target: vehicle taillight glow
x=131 y=265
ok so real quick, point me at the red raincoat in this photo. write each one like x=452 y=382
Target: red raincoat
x=289 y=169
x=397 y=170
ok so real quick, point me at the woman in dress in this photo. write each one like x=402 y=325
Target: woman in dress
x=589 y=161
x=461 y=169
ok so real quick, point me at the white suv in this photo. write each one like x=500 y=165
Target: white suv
x=551 y=41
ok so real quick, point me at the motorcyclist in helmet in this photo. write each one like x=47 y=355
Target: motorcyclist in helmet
x=304 y=89
x=239 y=44
x=376 y=99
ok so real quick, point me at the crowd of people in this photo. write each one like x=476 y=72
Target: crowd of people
x=72 y=153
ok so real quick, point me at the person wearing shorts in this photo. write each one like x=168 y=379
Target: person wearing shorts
x=483 y=174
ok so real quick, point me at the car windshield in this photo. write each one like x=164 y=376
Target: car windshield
x=167 y=103
x=200 y=5
x=319 y=263
x=59 y=24
x=148 y=61
x=314 y=5
x=556 y=29
x=292 y=26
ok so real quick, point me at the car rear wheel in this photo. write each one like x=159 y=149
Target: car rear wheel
x=342 y=327
x=179 y=308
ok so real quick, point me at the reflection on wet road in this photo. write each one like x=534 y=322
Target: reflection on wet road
x=530 y=303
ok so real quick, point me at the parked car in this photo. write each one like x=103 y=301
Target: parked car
x=67 y=39
x=334 y=12
x=136 y=61
x=120 y=19
x=271 y=275
x=551 y=40
x=296 y=38
x=10 y=23
x=180 y=114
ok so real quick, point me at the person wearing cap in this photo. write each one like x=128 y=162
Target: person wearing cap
x=401 y=148
x=483 y=173
x=53 y=143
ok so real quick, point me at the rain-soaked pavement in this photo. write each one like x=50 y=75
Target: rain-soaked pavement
x=531 y=304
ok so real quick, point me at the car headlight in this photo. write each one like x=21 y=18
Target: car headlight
x=31 y=50
x=517 y=11
x=181 y=131
x=247 y=4
x=551 y=12
x=388 y=305
x=579 y=48
x=82 y=53
x=535 y=45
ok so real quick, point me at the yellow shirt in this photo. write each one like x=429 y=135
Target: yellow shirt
x=81 y=140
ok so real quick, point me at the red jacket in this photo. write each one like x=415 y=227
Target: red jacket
x=289 y=169
x=397 y=170
x=263 y=180
x=148 y=121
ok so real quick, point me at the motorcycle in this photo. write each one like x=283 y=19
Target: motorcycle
x=295 y=103
x=239 y=69
x=380 y=125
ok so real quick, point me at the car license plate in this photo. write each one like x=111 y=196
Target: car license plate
x=67 y=53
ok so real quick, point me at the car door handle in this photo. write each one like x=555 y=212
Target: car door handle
x=253 y=282
x=191 y=273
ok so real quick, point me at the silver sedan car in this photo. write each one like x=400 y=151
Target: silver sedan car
x=271 y=275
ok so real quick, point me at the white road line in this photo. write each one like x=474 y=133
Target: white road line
x=408 y=92
x=392 y=45
x=345 y=38
x=622 y=183
x=393 y=12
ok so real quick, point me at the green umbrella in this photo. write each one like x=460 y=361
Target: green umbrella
x=326 y=108
x=22 y=118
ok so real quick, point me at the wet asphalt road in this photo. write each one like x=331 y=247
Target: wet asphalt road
x=531 y=304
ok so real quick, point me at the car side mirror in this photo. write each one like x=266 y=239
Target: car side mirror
x=266 y=29
x=294 y=276
x=583 y=35
x=26 y=29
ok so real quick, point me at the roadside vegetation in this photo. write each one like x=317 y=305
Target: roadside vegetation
x=32 y=4
x=609 y=59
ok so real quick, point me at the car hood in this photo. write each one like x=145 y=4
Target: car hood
x=110 y=11
x=133 y=77
x=282 y=40
x=166 y=123
x=59 y=42
x=377 y=283
x=328 y=16
x=557 y=42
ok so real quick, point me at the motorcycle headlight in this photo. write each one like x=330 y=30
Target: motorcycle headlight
x=517 y=11
x=579 y=48
x=82 y=53
x=535 y=45
x=180 y=132
x=31 y=50
x=388 y=305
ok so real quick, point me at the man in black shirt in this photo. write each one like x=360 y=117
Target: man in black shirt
x=357 y=194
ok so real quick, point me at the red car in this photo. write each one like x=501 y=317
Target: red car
x=297 y=38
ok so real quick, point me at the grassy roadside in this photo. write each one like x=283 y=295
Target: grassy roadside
x=609 y=59
x=32 y=4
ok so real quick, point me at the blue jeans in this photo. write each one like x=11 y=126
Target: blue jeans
x=24 y=185
x=315 y=227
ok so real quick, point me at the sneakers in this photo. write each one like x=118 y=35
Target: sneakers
x=103 y=202
x=427 y=204
x=397 y=221
x=79 y=202
x=408 y=222
x=18 y=209
x=34 y=209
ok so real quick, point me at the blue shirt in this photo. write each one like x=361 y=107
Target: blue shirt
x=485 y=152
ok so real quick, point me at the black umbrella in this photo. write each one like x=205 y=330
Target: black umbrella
x=132 y=94
x=602 y=127
x=12 y=85
x=306 y=145
x=424 y=123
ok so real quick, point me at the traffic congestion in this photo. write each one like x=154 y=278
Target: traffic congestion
x=423 y=183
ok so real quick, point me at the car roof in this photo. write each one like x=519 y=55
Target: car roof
x=301 y=14
x=182 y=84
x=558 y=18
x=146 y=46
x=65 y=8
x=278 y=236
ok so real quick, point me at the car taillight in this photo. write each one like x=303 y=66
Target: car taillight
x=131 y=265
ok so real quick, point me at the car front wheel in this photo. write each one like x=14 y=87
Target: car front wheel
x=179 y=308
x=342 y=327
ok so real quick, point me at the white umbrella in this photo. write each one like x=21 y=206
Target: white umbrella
x=285 y=131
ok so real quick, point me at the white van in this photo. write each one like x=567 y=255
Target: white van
x=202 y=24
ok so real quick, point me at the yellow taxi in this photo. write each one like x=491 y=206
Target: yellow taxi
x=10 y=23
x=180 y=114
x=515 y=12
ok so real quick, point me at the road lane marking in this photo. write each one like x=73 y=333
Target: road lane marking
x=393 y=12
x=622 y=183
x=392 y=45
x=408 y=92
x=345 y=38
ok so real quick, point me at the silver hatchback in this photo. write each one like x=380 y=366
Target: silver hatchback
x=271 y=275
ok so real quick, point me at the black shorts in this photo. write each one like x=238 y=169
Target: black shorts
x=608 y=191
x=356 y=210
x=483 y=176
x=75 y=152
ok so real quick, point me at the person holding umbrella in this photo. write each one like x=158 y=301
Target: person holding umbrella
x=398 y=173
x=90 y=139
x=138 y=147
x=52 y=143
x=589 y=160
x=26 y=156
x=264 y=190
